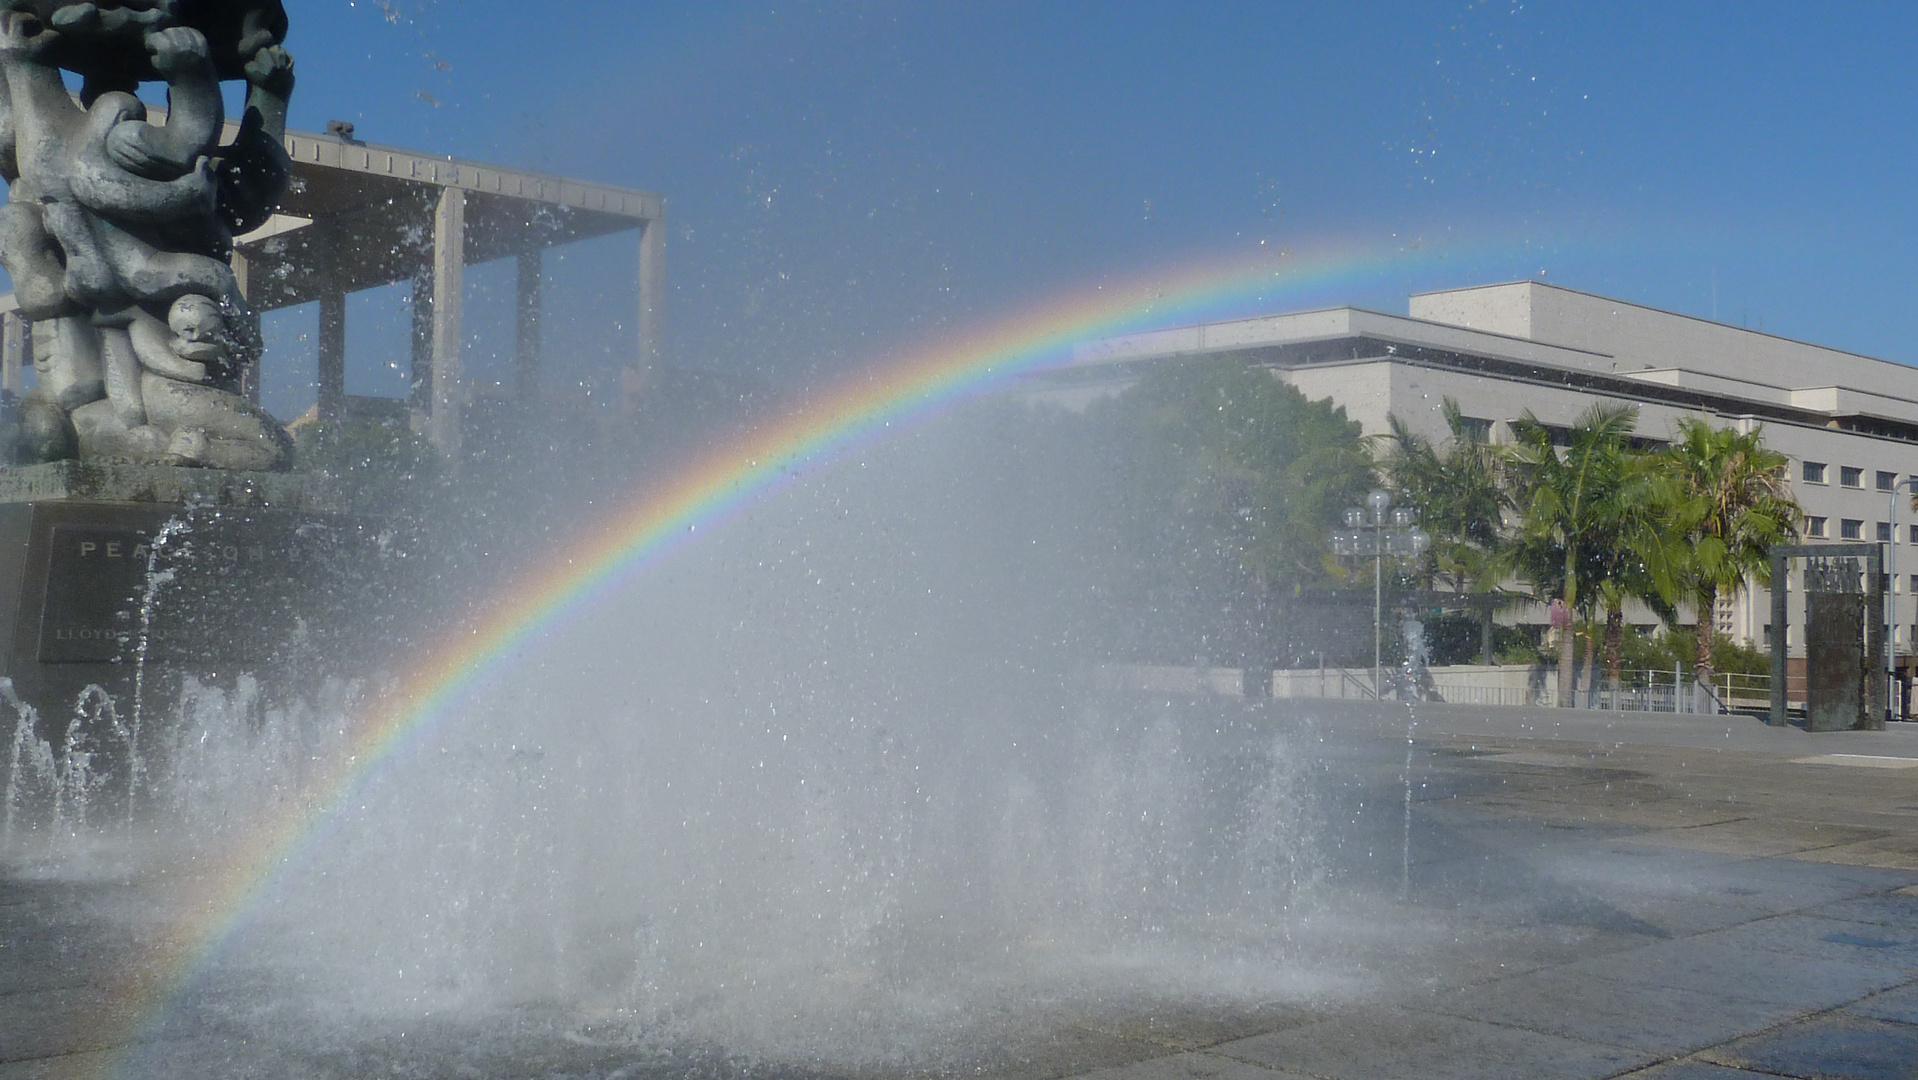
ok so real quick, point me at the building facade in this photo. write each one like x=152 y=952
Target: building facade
x=1849 y=423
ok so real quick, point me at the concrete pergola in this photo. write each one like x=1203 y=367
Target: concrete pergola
x=359 y=216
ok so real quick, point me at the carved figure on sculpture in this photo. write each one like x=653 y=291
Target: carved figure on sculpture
x=118 y=230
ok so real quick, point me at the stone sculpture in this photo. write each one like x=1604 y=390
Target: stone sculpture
x=118 y=227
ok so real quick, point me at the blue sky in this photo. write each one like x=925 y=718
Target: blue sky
x=845 y=179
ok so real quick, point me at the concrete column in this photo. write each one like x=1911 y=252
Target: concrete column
x=449 y=273
x=1877 y=686
x=652 y=268
x=250 y=373
x=526 y=351
x=1780 y=636
x=332 y=371
x=420 y=378
x=13 y=352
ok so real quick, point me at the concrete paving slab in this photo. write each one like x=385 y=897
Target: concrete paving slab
x=190 y=1057
x=1689 y=893
x=1685 y=916
x=1518 y=836
x=1694 y=1070
x=1062 y=1051
x=89 y=1066
x=1900 y=852
x=1898 y=909
x=1196 y=1027
x=1189 y=1066
x=1875 y=944
x=1479 y=958
x=1545 y=759
x=1723 y=968
x=1899 y=1003
x=1662 y=813
x=1860 y=761
x=1749 y=837
x=1801 y=884
x=1399 y=1044
x=1842 y=1046
x=39 y=965
x=47 y=1023
x=1658 y=1019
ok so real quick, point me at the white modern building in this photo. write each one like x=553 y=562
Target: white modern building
x=1848 y=422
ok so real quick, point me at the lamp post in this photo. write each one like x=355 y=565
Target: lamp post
x=1893 y=705
x=1370 y=530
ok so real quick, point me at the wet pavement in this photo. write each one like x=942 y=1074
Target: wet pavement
x=1683 y=898
x=1760 y=887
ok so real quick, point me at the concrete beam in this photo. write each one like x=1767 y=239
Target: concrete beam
x=318 y=158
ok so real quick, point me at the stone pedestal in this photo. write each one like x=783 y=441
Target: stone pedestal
x=115 y=574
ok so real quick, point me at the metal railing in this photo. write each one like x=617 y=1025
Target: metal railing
x=1647 y=690
x=1670 y=690
x=1487 y=695
x=1675 y=691
x=1742 y=693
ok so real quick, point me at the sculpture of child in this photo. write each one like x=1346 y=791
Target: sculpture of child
x=166 y=402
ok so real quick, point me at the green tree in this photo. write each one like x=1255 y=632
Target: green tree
x=1732 y=503
x=1231 y=483
x=1568 y=497
x=1643 y=558
x=1461 y=497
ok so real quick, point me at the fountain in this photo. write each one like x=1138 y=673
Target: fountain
x=833 y=789
x=150 y=534
x=837 y=791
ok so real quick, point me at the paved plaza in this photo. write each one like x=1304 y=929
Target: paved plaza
x=1753 y=909
x=1655 y=896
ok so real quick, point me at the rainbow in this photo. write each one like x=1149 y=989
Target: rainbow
x=635 y=538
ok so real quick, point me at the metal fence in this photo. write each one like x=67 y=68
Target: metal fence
x=1488 y=695
x=1645 y=690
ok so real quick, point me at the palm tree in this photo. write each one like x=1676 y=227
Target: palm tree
x=1462 y=500
x=1569 y=498
x=1643 y=561
x=1732 y=504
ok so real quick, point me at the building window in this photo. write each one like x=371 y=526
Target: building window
x=1887 y=480
x=1814 y=472
x=1914 y=533
x=1849 y=529
x=1815 y=527
x=1474 y=429
x=1767 y=635
x=1851 y=476
x=1884 y=532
